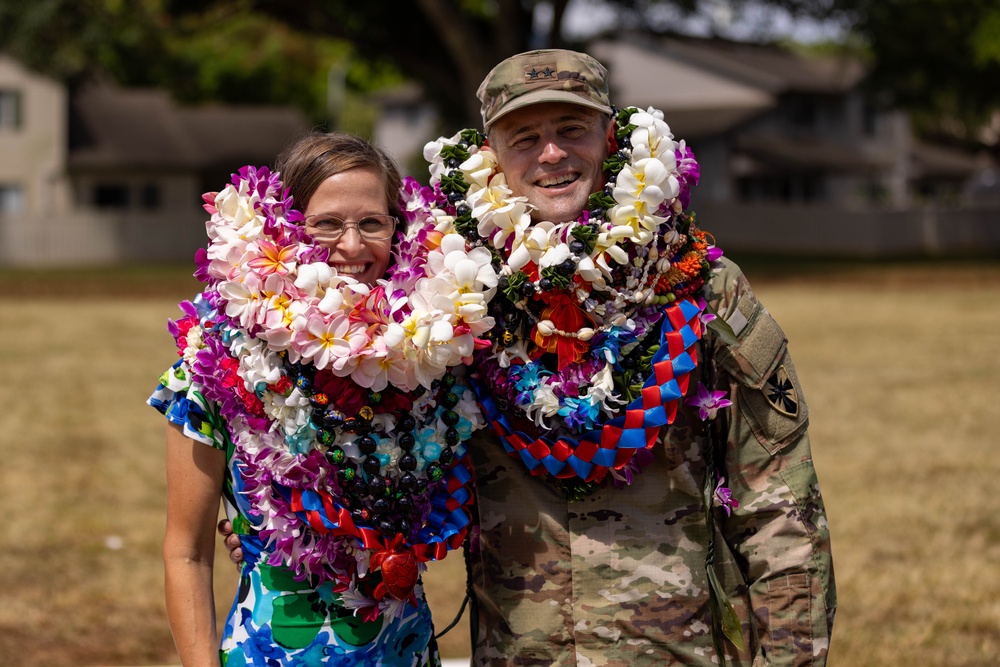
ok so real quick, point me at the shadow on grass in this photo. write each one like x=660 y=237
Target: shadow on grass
x=146 y=280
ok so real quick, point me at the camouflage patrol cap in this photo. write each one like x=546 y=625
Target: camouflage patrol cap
x=547 y=75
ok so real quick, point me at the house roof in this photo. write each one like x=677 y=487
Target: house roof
x=113 y=127
x=697 y=102
x=252 y=135
x=707 y=87
x=770 y=68
x=935 y=160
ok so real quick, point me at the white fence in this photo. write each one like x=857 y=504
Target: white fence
x=93 y=238
x=97 y=238
x=822 y=230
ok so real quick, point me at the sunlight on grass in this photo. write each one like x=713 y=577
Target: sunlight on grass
x=899 y=367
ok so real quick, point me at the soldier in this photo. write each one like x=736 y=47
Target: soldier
x=619 y=576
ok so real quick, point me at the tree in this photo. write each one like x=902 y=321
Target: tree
x=198 y=51
x=938 y=59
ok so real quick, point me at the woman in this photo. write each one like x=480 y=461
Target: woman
x=331 y=448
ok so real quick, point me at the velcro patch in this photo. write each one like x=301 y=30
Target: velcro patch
x=540 y=73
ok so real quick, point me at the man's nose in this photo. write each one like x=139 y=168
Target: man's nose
x=552 y=152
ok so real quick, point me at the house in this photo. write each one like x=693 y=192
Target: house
x=405 y=123
x=111 y=174
x=796 y=155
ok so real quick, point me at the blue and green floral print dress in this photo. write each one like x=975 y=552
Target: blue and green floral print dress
x=275 y=620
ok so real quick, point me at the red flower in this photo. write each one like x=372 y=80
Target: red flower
x=568 y=317
x=282 y=386
x=183 y=327
x=344 y=394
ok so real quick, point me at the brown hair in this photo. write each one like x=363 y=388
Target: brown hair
x=308 y=162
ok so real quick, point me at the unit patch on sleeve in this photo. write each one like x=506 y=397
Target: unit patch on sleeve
x=781 y=393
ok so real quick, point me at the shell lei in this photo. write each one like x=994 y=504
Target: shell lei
x=346 y=404
x=598 y=318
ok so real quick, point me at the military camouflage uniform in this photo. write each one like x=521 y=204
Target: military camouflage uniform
x=619 y=577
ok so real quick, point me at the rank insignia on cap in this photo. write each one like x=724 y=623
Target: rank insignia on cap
x=781 y=394
x=539 y=73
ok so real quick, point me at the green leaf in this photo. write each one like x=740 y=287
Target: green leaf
x=514 y=283
x=456 y=151
x=454 y=182
x=472 y=136
x=729 y=621
x=724 y=331
x=600 y=200
x=559 y=280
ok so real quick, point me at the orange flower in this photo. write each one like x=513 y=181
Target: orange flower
x=273 y=258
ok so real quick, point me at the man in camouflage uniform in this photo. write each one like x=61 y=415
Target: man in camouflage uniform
x=620 y=576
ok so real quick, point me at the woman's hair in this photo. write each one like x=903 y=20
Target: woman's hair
x=311 y=160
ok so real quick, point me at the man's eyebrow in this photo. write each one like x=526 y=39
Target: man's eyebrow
x=569 y=117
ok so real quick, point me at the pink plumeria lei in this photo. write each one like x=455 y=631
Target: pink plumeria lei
x=286 y=347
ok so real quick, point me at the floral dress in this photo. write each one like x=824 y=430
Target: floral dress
x=276 y=621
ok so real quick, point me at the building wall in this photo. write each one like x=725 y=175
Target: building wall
x=402 y=130
x=830 y=230
x=95 y=238
x=33 y=155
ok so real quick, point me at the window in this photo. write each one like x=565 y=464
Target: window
x=10 y=109
x=11 y=199
x=149 y=196
x=111 y=195
x=869 y=119
x=803 y=112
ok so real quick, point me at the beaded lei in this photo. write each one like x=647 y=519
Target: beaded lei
x=597 y=318
x=347 y=404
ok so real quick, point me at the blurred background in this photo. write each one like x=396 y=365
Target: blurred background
x=849 y=163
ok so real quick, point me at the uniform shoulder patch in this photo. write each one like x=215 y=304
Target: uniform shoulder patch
x=781 y=393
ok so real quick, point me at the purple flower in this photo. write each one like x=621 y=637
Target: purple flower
x=723 y=497
x=201 y=263
x=416 y=201
x=708 y=402
x=314 y=254
x=640 y=459
x=688 y=173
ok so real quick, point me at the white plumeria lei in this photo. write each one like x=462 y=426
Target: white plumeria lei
x=406 y=330
x=632 y=246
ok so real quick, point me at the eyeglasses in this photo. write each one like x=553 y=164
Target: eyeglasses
x=376 y=227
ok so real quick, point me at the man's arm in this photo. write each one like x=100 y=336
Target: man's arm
x=779 y=532
x=231 y=541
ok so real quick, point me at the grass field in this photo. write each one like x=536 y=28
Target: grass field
x=900 y=366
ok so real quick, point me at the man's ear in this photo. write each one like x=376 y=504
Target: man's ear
x=612 y=143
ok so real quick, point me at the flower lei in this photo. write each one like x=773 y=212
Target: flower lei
x=347 y=415
x=577 y=301
x=576 y=305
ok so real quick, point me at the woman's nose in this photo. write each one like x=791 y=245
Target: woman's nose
x=350 y=243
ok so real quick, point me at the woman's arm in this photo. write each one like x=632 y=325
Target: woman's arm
x=195 y=474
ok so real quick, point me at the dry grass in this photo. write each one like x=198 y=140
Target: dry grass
x=900 y=368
